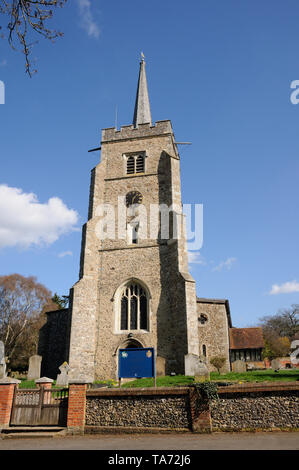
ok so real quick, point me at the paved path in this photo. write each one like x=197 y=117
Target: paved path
x=216 y=441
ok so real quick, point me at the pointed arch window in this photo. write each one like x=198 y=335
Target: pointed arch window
x=136 y=163
x=134 y=308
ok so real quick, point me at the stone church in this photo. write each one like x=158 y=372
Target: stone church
x=134 y=290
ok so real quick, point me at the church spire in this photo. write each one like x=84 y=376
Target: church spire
x=142 y=111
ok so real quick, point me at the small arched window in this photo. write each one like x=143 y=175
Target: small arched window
x=133 y=308
x=204 y=350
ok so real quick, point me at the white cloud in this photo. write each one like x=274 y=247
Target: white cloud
x=65 y=253
x=286 y=288
x=195 y=257
x=225 y=264
x=24 y=221
x=86 y=19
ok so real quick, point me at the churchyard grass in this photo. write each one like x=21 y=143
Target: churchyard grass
x=250 y=376
x=285 y=375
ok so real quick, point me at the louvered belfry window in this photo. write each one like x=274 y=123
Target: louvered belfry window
x=135 y=164
x=133 y=308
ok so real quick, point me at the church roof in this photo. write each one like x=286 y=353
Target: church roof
x=142 y=111
x=246 y=338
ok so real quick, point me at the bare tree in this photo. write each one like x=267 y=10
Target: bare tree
x=25 y=17
x=22 y=302
x=280 y=330
x=284 y=324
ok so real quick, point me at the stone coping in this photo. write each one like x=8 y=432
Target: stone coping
x=9 y=381
x=44 y=380
x=129 y=392
x=259 y=387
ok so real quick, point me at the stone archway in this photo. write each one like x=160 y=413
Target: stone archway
x=128 y=343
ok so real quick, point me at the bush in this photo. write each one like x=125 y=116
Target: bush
x=218 y=362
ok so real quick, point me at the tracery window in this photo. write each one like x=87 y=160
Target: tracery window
x=134 y=308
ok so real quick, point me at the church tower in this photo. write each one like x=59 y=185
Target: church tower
x=134 y=288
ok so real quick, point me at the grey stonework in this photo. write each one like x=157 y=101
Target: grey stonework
x=147 y=412
x=34 y=367
x=262 y=410
x=54 y=342
x=90 y=338
x=160 y=266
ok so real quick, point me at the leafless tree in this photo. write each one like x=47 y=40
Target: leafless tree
x=22 y=303
x=23 y=18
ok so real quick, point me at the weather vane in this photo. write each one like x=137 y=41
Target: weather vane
x=142 y=56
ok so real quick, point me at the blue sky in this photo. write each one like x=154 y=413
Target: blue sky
x=221 y=70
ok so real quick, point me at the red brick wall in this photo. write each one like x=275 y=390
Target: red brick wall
x=76 y=407
x=6 y=399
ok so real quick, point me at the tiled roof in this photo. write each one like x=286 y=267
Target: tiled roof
x=246 y=338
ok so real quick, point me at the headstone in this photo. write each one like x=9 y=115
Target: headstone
x=2 y=361
x=239 y=366
x=196 y=365
x=34 y=367
x=160 y=366
x=275 y=364
x=62 y=378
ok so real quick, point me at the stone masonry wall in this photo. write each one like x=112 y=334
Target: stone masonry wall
x=214 y=333
x=257 y=410
x=140 y=410
x=155 y=263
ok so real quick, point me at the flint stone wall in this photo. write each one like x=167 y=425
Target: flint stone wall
x=256 y=410
x=139 y=409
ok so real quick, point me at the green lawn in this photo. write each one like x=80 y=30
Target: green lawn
x=258 y=376
x=182 y=380
x=254 y=376
x=31 y=384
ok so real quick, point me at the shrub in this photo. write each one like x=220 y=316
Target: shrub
x=218 y=362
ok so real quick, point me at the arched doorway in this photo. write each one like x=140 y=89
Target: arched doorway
x=129 y=343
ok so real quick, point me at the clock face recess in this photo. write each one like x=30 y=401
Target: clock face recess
x=133 y=197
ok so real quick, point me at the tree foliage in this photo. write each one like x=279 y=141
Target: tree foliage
x=23 y=302
x=61 y=302
x=218 y=362
x=24 y=18
x=279 y=331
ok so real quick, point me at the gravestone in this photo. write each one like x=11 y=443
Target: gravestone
x=62 y=378
x=196 y=365
x=239 y=366
x=2 y=361
x=34 y=367
x=160 y=366
x=275 y=364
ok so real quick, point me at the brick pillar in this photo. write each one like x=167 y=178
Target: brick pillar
x=76 y=406
x=7 y=388
x=200 y=413
x=44 y=382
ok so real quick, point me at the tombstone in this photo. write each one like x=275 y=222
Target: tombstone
x=239 y=366
x=62 y=378
x=275 y=364
x=34 y=367
x=2 y=361
x=196 y=365
x=160 y=366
